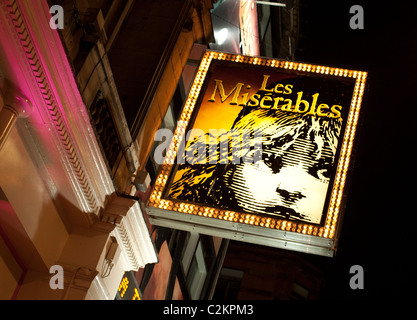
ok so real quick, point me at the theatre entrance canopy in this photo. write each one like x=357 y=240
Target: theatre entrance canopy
x=261 y=153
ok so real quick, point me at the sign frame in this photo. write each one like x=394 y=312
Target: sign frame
x=274 y=232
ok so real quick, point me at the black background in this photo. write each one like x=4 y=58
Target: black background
x=379 y=225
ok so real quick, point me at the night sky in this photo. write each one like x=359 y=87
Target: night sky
x=379 y=225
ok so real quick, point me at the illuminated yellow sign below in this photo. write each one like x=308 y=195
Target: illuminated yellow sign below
x=127 y=288
x=305 y=116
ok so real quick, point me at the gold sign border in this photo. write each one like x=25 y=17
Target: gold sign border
x=328 y=230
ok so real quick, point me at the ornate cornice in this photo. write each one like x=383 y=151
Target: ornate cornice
x=17 y=21
x=133 y=233
x=63 y=111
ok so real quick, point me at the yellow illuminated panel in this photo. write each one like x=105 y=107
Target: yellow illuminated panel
x=327 y=228
x=136 y=295
x=127 y=289
x=124 y=284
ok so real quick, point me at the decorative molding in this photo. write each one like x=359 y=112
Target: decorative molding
x=19 y=25
x=133 y=233
x=58 y=102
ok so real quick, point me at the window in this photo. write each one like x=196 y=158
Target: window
x=197 y=273
x=299 y=292
x=105 y=130
x=228 y=284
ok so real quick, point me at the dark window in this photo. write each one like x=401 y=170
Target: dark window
x=299 y=292
x=228 y=284
x=104 y=128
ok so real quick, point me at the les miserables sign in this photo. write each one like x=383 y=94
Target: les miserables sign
x=261 y=153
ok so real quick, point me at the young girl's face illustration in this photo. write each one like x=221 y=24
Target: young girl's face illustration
x=286 y=184
x=292 y=177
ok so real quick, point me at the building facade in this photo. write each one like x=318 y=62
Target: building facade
x=80 y=104
x=84 y=88
x=252 y=272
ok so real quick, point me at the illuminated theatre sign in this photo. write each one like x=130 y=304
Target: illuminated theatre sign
x=261 y=153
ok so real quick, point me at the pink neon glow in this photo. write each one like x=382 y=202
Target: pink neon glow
x=54 y=57
x=33 y=59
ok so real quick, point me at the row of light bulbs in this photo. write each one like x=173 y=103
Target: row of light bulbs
x=329 y=228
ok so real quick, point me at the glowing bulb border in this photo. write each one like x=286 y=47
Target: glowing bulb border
x=328 y=230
